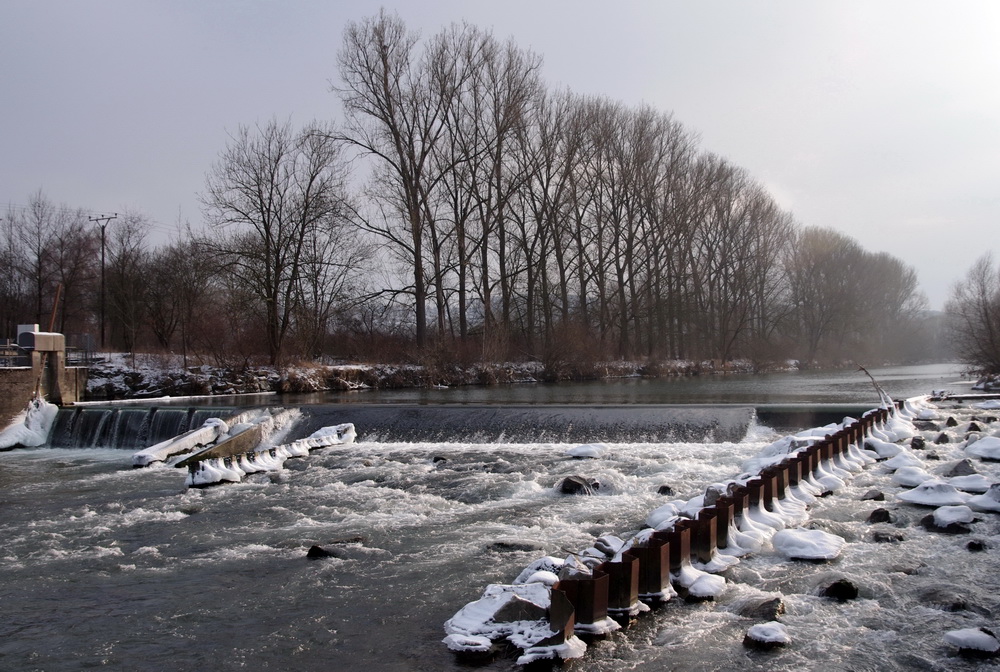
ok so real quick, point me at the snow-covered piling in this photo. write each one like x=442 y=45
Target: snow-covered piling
x=687 y=544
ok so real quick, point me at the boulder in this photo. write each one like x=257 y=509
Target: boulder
x=765 y=609
x=578 y=485
x=766 y=636
x=887 y=537
x=841 y=590
x=961 y=468
x=931 y=525
x=880 y=516
x=874 y=496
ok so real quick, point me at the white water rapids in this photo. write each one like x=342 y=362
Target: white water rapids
x=105 y=566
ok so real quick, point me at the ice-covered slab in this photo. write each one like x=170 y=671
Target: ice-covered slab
x=988 y=501
x=934 y=493
x=947 y=515
x=987 y=448
x=591 y=450
x=975 y=639
x=802 y=544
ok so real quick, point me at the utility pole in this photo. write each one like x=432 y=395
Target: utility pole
x=102 y=221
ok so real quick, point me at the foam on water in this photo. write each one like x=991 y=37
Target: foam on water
x=153 y=574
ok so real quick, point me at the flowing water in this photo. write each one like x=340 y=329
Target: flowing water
x=105 y=566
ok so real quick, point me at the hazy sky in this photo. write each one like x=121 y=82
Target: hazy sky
x=880 y=119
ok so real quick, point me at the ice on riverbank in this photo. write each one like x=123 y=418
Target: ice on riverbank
x=31 y=426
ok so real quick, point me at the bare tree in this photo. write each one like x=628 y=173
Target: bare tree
x=269 y=194
x=395 y=101
x=974 y=312
x=127 y=268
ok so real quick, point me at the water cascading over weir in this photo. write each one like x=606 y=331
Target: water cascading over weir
x=126 y=426
x=134 y=426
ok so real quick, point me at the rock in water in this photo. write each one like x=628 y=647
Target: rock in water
x=880 y=516
x=316 y=552
x=841 y=590
x=799 y=544
x=665 y=490
x=766 y=636
x=974 y=642
x=766 y=609
x=874 y=496
x=962 y=468
x=578 y=485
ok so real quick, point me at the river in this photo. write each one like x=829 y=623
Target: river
x=106 y=566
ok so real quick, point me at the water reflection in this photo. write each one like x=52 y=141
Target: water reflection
x=848 y=386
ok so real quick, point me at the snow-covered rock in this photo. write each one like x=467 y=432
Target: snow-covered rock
x=987 y=448
x=947 y=515
x=988 y=501
x=934 y=493
x=767 y=636
x=911 y=477
x=802 y=544
x=974 y=640
x=591 y=450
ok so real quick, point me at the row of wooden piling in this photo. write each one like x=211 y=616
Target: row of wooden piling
x=644 y=571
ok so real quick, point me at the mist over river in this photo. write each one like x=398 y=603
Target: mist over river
x=107 y=566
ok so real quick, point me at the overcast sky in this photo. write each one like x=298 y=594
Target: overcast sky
x=879 y=119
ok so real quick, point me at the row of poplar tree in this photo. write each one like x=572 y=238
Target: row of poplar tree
x=461 y=205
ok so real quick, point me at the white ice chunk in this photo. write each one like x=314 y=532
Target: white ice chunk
x=910 y=477
x=772 y=632
x=973 y=638
x=987 y=448
x=884 y=449
x=591 y=450
x=31 y=426
x=807 y=544
x=934 y=493
x=989 y=501
x=904 y=458
x=946 y=515
x=972 y=483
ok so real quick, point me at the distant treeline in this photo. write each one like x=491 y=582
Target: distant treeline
x=461 y=209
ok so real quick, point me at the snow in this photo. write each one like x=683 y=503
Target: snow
x=772 y=632
x=884 y=449
x=592 y=450
x=972 y=483
x=976 y=639
x=987 y=448
x=992 y=404
x=802 y=544
x=946 y=515
x=989 y=501
x=934 y=493
x=476 y=625
x=31 y=426
x=265 y=457
x=911 y=477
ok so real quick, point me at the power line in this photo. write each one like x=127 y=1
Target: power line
x=19 y=208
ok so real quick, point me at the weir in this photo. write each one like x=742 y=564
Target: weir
x=126 y=426
x=133 y=426
x=625 y=423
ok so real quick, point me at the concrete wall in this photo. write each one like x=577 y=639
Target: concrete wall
x=61 y=385
x=16 y=386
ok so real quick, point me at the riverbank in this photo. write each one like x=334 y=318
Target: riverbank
x=151 y=376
